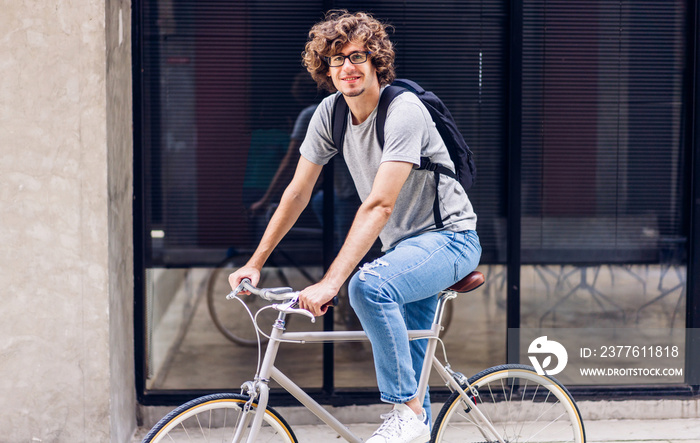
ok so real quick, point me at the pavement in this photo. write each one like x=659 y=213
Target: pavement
x=628 y=431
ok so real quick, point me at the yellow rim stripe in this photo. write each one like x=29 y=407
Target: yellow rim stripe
x=286 y=430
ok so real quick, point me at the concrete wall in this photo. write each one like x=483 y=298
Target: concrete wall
x=120 y=185
x=66 y=272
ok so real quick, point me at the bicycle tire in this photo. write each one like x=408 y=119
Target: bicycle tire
x=522 y=406
x=229 y=316
x=213 y=418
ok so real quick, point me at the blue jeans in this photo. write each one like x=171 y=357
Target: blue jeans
x=399 y=292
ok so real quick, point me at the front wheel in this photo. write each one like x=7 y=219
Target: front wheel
x=522 y=405
x=215 y=418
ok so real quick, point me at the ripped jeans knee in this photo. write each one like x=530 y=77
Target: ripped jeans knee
x=365 y=285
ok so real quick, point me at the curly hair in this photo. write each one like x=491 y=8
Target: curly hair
x=339 y=28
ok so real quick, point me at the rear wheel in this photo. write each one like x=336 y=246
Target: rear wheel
x=522 y=405
x=213 y=418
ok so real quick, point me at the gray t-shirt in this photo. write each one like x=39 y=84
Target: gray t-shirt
x=409 y=133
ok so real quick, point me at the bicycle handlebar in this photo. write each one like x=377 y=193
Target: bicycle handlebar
x=287 y=295
x=269 y=294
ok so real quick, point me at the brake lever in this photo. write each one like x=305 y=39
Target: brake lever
x=240 y=288
x=288 y=308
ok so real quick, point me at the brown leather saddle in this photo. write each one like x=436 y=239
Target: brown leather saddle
x=468 y=283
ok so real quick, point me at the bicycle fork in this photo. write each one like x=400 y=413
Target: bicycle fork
x=258 y=390
x=258 y=393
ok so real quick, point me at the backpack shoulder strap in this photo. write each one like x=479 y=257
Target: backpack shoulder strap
x=340 y=120
x=388 y=95
x=410 y=85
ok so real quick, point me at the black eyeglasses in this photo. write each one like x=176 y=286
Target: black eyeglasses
x=355 y=58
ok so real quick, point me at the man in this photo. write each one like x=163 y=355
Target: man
x=352 y=54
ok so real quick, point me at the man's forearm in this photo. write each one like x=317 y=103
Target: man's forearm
x=365 y=229
x=371 y=218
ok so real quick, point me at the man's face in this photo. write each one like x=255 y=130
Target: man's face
x=350 y=79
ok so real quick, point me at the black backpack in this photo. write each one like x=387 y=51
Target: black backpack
x=462 y=157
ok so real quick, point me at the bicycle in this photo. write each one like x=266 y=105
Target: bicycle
x=506 y=403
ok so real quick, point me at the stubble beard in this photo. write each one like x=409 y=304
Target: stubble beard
x=354 y=93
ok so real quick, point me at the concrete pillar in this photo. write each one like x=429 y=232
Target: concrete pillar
x=66 y=260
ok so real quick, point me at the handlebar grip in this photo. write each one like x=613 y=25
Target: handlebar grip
x=333 y=302
x=269 y=293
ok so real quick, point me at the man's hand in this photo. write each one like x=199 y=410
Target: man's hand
x=316 y=298
x=250 y=272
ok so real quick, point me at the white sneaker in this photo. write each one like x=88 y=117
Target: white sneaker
x=401 y=425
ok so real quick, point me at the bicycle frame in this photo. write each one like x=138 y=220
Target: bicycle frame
x=259 y=389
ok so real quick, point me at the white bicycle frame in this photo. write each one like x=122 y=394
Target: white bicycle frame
x=258 y=390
